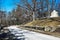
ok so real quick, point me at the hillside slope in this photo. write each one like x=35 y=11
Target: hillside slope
x=45 y=22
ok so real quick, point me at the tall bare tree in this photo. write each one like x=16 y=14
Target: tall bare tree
x=31 y=6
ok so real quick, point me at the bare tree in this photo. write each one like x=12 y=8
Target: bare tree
x=58 y=8
x=2 y=17
x=30 y=6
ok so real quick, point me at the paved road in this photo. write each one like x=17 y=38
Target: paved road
x=29 y=35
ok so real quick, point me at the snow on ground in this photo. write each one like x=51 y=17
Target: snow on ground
x=29 y=35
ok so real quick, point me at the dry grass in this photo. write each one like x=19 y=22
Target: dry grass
x=45 y=22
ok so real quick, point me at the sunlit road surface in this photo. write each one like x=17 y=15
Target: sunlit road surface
x=29 y=35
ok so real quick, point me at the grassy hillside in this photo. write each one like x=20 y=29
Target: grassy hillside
x=45 y=22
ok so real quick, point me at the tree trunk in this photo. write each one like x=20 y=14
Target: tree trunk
x=33 y=16
x=48 y=11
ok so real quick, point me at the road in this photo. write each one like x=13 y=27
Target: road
x=29 y=35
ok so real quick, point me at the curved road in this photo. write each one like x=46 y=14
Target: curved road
x=29 y=35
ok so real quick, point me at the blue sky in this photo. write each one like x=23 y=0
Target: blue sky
x=8 y=5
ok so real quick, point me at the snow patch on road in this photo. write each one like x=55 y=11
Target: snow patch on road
x=29 y=35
